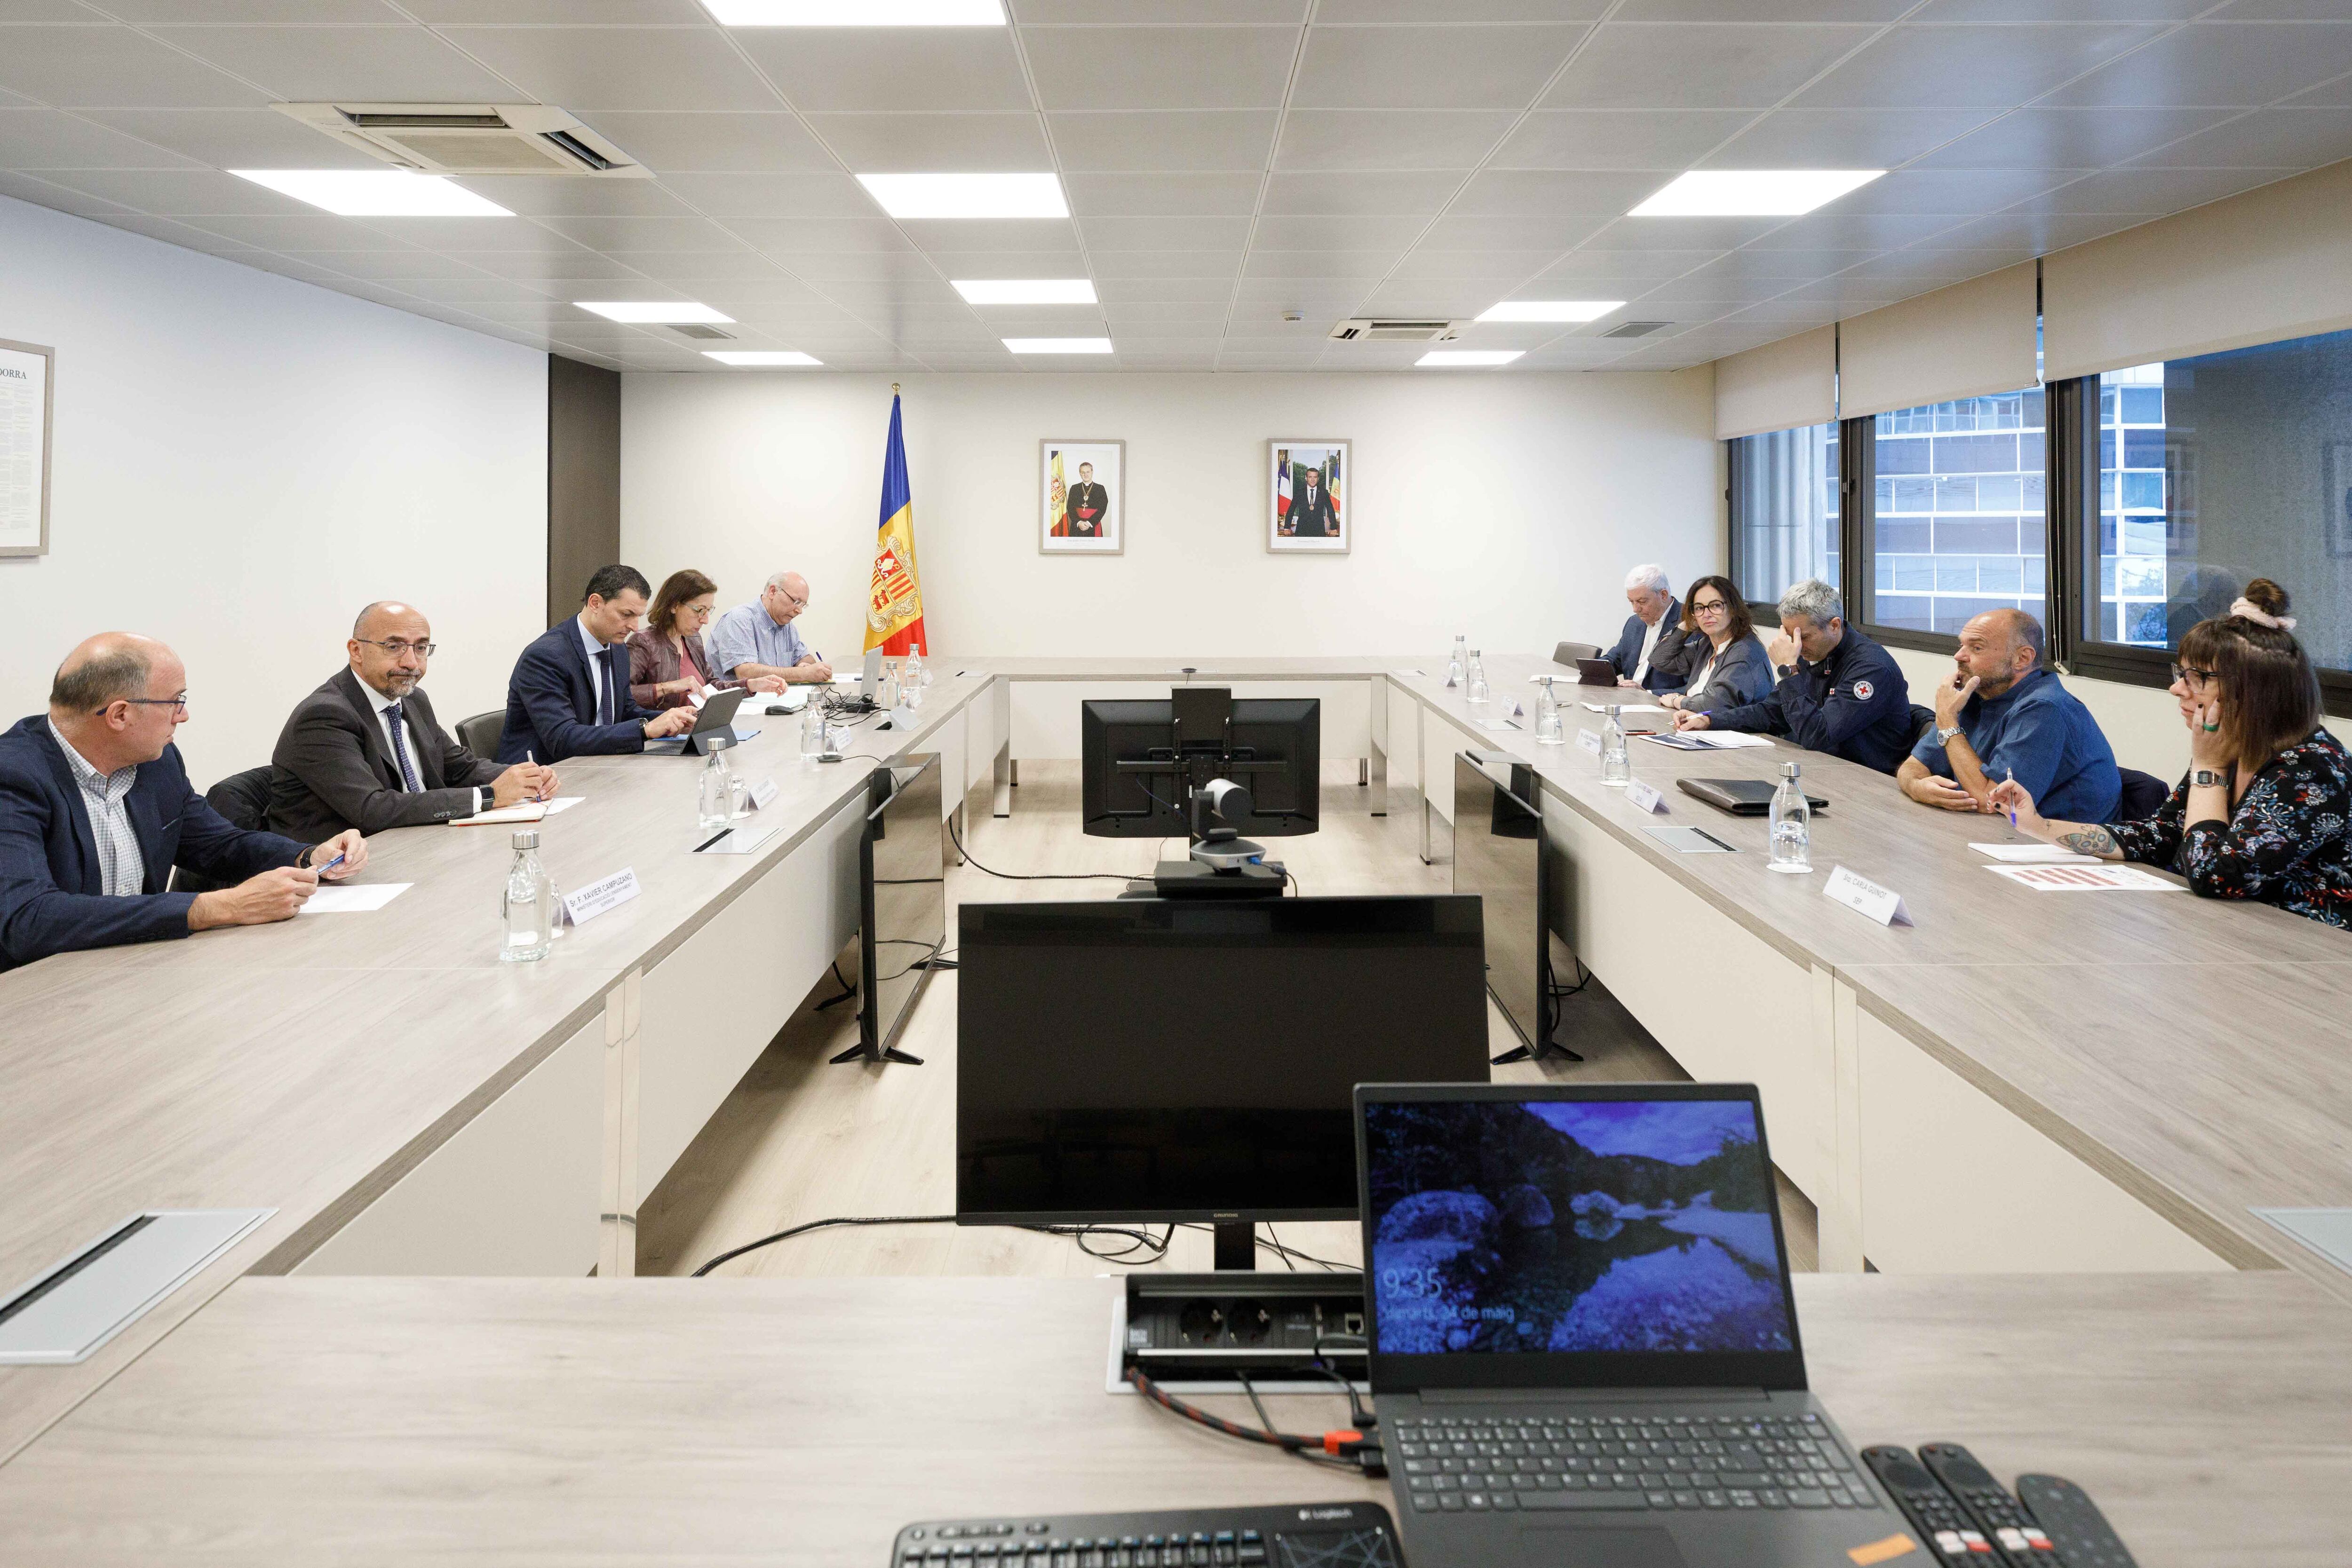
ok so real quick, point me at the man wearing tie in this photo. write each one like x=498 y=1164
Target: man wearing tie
x=365 y=751
x=1085 y=505
x=569 y=695
x=1310 y=510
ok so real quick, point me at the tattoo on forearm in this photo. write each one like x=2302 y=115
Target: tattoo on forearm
x=2089 y=841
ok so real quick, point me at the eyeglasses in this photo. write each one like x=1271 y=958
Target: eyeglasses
x=1717 y=605
x=179 y=702
x=2189 y=675
x=397 y=649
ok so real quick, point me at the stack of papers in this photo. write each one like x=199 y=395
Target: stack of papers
x=1708 y=739
x=2034 y=855
x=334 y=898
x=2086 y=878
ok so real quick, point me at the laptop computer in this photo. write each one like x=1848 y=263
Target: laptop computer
x=1595 y=672
x=1583 y=1346
x=1742 y=797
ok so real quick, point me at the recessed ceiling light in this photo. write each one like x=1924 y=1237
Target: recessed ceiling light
x=1752 y=192
x=856 y=13
x=1058 y=345
x=1026 y=291
x=761 y=357
x=967 y=195
x=657 y=312
x=1551 y=310
x=1469 y=356
x=375 y=193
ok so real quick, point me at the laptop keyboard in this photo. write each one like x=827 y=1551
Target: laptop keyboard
x=1562 y=1463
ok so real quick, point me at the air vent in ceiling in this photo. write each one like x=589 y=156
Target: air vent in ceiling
x=702 y=333
x=471 y=138
x=1389 y=330
x=1636 y=329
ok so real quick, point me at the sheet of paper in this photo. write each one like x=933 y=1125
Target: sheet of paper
x=2034 y=855
x=1728 y=739
x=530 y=811
x=1626 y=708
x=2086 y=879
x=563 y=803
x=334 y=898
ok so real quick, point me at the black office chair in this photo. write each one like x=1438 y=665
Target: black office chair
x=1923 y=719
x=481 y=734
x=2143 y=794
x=243 y=800
x=1569 y=652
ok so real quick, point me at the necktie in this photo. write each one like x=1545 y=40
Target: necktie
x=400 y=748
x=604 y=699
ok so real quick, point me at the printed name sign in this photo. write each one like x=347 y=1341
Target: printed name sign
x=1864 y=896
x=599 y=896
x=1644 y=797
x=1589 y=740
x=762 y=793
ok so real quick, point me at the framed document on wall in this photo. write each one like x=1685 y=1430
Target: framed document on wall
x=1082 y=498
x=25 y=406
x=1305 y=500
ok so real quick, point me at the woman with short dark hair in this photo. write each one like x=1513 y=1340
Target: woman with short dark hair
x=1732 y=669
x=2265 y=812
x=666 y=662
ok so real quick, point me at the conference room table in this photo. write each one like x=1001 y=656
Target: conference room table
x=2016 y=1083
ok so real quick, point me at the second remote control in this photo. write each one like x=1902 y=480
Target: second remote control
x=2021 y=1541
x=1933 y=1512
x=2084 y=1536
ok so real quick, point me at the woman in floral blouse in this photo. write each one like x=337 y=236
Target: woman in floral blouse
x=2265 y=812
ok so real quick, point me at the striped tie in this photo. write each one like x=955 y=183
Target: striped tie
x=400 y=748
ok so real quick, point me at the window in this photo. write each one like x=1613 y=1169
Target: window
x=1959 y=517
x=1784 y=510
x=2217 y=469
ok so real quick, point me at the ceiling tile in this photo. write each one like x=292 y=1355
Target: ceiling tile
x=548 y=267
x=1337 y=230
x=1359 y=193
x=821 y=234
x=403 y=64
x=1420 y=297
x=1165 y=139
x=1319 y=262
x=236 y=138
x=1957 y=191
x=180 y=193
x=1505 y=267
x=1927 y=269
x=1460 y=230
x=672 y=141
x=748 y=195
x=1785 y=267
x=1588 y=267
x=871 y=68
x=2153 y=190
x=114 y=67
x=168 y=232
x=1856 y=231
x=226 y=13
x=2220 y=65
x=1679 y=234
x=474 y=233
x=1010 y=263
x=1783 y=313
x=476 y=288
x=320 y=231
x=707 y=270
x=1112 y=264
x=2039 y=233
x=394 y=266
x=1844 y=138
x=2337 y=93
x=2040 y=137
x=1548 y=194
x=1157 y=196
x=1306 y=293
x=587 y=68
x=1461 y=12
x=1429 y=67
x=877 y=143
x=1618 y=139
x=1386 y=139
x=1162 y=290
x=1161 y=68
x=2269 y=138
x=47 y=138
x=1764 y=10
x=992 y=234
x=1688 y=65
x=532 y=195
x=862 y=266
x=1165 y=233
x=1994 y=66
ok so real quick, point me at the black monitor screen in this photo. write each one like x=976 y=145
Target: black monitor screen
x=1276 y=749
x=1184 y=1061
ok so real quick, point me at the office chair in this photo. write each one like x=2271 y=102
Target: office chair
x=2143 y=793
x=481 y=734
x=243 y=800
x=1569 y=652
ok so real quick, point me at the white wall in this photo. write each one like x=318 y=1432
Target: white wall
x=1504 y=507
x=241 y=461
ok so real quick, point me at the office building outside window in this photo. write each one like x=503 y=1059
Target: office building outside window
x=1784 y=509
x=2218 y=469
x=1959 y=517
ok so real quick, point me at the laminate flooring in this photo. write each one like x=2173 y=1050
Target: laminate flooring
x=801 y=1140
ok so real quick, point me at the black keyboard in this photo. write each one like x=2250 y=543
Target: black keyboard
x=1303 y=1535
x=1552 y=1462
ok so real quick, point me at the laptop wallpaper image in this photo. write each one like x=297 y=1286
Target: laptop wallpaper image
x=1558 y=1226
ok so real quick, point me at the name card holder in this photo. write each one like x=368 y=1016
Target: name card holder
x=1644 y=797
x=1589 y=740
x=598 y=896
x=1865 y=897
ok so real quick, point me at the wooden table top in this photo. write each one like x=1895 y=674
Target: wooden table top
x=520 y=1421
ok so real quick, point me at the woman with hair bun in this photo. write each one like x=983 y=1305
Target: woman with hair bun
x=2265 y=812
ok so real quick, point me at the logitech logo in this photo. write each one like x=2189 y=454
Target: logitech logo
x=1313 y=1513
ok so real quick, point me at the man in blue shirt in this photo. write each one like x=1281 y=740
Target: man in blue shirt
x=2002 y=716
x=760 y=639
x=1839 y=692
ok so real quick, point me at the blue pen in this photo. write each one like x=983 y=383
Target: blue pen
x=2010 y=774
x=323 y=870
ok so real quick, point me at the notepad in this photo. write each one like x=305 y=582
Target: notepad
x=334 y=898
x=2034 y=855
x=2086 y=879
x=529 y=811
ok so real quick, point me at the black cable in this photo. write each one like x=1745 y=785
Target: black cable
x=1035 y=876
x=736 y=1252
x=1357 y=1452
x=1279 y=1249
x=847 y=990
x=1295 y=890
x=1143 y=1247
x=1266 y=1421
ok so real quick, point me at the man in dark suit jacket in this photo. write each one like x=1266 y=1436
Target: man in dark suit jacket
x=364 y=750
x=569 y=695
x=95 y=810
x=1310 y=515
x=1674 y=655
x=1084 y=507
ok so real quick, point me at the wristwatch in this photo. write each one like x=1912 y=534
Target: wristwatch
x=2206 y=779
x=1944 y=736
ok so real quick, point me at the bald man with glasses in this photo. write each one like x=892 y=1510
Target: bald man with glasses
x=365 y=750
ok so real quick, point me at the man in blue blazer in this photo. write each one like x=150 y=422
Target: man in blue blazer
x=569 y=695
x=95 y=810
x=1654 y=653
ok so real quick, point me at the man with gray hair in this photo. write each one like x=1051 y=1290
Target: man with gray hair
x=758 y=638
x=1838 y=691
x=1654 y=653
x=95 y=810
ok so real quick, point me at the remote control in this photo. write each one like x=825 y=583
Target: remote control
x=1934 y=1512
x=2023 y=1543
x=2084 y=1536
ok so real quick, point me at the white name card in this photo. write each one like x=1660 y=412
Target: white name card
x=1644 y=797
x=1589 y=740
x=599 y=896
x=1864 y=896
x=762 y=793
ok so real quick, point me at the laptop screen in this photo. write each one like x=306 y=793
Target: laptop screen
x=1616 y=1235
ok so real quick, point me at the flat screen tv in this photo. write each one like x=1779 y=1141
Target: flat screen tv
x=902 y=898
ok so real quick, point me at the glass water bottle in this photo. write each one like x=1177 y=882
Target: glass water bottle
x=1478 y=692
x=715 y=808
x=528 y=904
x=1457 y=664
x=1548 y=728
x=1792 y=824
x=813 y=728
x=1616 y=766
x=911 y=678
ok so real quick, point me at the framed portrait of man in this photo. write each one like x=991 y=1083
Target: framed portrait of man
x=1082 y=505
x=1306 y=501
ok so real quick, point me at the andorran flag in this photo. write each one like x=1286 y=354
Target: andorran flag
x=894 y=603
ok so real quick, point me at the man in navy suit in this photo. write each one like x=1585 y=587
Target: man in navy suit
x=95 y=810
x=569 y=695
x=1654 y=653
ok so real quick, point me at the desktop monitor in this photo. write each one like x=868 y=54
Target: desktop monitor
x=1139 y=757
x=902 y=893
x=1162 y=1062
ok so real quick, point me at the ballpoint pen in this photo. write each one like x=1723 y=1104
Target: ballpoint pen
x=320 y=871
x=2009 y=775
